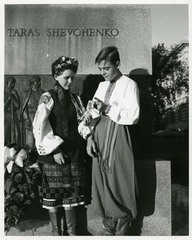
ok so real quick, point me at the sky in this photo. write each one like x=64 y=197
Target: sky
x=169 y=23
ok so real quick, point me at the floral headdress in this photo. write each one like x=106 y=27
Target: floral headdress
x=64 y=63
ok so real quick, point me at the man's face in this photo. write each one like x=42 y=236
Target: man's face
x=108 y=70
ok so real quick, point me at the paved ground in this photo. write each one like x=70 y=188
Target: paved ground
x=41 y=226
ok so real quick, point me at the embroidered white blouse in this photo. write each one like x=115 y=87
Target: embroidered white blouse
x=45 y=140
x=124 y=101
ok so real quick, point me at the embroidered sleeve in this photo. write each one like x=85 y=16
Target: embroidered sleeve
x=45 y=140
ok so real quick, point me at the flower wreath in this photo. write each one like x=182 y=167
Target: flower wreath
x=65 y=61
x=22 y=176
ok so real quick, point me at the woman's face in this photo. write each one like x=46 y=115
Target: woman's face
x=66 y=79
x=108 y=70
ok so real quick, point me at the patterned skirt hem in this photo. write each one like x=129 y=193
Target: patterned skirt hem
x=64 y=205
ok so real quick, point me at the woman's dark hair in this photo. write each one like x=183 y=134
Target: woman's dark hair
x=108 y=53
x=62 y=64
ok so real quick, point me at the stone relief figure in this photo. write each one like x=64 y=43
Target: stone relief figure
x=29 y=106
x=11 y=121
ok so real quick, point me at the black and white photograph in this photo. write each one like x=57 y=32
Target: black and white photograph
x=95 y=125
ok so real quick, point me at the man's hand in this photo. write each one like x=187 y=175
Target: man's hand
x=100 y=105
x=91 y=147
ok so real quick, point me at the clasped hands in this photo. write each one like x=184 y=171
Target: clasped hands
x=100 y=105
x=94 y=108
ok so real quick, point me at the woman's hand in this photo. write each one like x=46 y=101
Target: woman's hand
x=87 y=118
x=91 y=147
x=59 y=158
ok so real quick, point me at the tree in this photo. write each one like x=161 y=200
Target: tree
x=170 y=79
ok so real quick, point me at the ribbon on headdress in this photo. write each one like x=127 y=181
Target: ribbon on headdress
x=35 y=166
x=11 y=157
